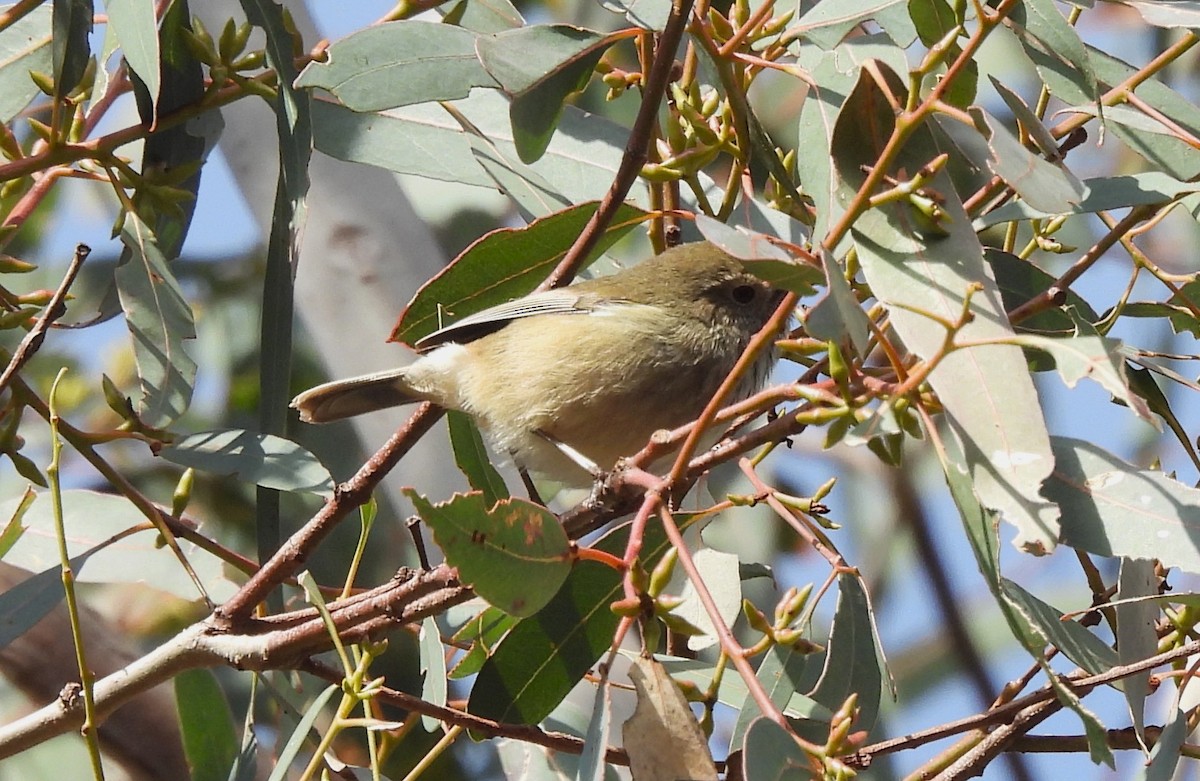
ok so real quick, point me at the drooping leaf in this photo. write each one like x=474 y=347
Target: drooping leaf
x=295 y=742
x=837 y=316
x=834 y=74
x=484 y=633
x=433 y=670
x=136 y=29
x=398 y=64
x=1073 y=639
x=1019 y=281
x=1040 y=183
x=262 y=459
x=595 y=741
x=173 y=156
x=1089 y=355
x=1136 y=636
x=206 y=725
x=1055 y=47
x=514 y=554
x=159 y=321
x=24 y=47
x=662 y=736
x=71 y=48
x=503 y=265
x=925 y=275
x=1164 y=757
x=473 y=459
x=853 y=661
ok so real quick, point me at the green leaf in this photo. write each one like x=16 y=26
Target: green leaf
x=28 y=602
x=503 y=265
x=24 y=47
x=14 y=527
x=781 y=674
x=484 y=633
x=595 y=740
x=1136 y=637
x=539 y=67
x=837 y=316
x=206 y=724
x=159 y=321
x=397 y=64
x=170 y=154
x=433 y=671
x=762 y=258
x=1164 y=757
x=647 y=14
x=1093 y=356
x=834 y=74
x=1172 y=14
x=1111 y=508
x=826 y=24
x=70 y=49
x=120 y=544
x=136 y=29
x=484 y=16
x=1100 y=194
x=719 y=571
x=1073 y=639
x=770 y=752
x=263 y=459
x=853 y=663
x=295 y=741
x=1029 y=121
x=1055 y=47
x=544 y=656
x=1021 y=280
x=1042 y=184
x=514 y=554
x=924 y=277
x=519 y=60
x=421 y=140
x=472 y=457
x=1142 y=382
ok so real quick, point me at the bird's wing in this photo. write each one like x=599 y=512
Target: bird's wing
x=550 y=302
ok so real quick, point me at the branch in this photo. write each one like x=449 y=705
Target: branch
x=279 y=642
x=54 y=310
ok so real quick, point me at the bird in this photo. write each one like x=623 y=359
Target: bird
x=567 y=381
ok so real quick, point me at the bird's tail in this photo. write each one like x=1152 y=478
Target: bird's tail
x=346 y=398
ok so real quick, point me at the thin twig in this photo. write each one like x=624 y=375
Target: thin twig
x=635 y=148
x=54 y=310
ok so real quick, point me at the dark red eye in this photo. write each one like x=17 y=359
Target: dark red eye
x=744 y=294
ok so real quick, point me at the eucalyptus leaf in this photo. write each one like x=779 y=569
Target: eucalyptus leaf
x=928 y=276
x=398 y=64
x=1111 y=508
x=160 y=321
x=514 y=553
x=263 y=459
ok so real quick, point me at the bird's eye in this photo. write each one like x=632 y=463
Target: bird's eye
x=744 y=294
